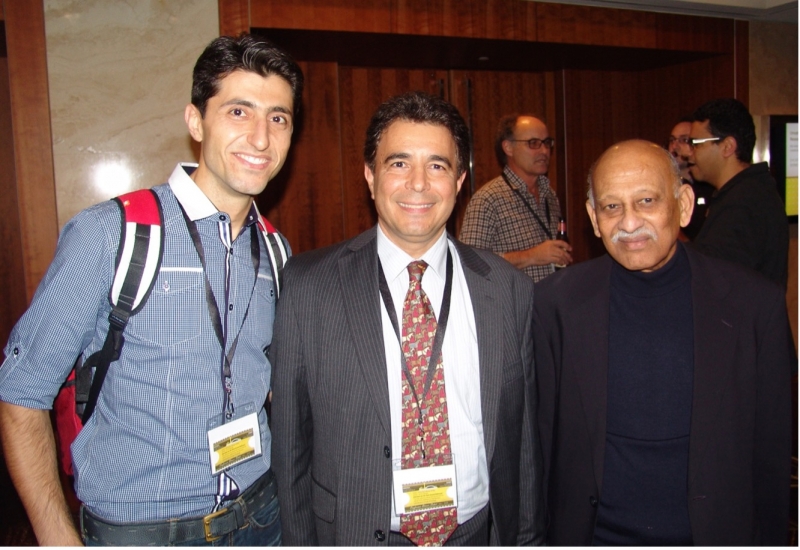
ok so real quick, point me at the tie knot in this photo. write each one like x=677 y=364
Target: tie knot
x=417 y=269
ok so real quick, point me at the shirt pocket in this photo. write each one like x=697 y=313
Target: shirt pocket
x=265 y=287
x=173 y=311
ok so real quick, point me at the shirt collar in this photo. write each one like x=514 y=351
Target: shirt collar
x=395 y=261
x=194 y=202
x=517 y=182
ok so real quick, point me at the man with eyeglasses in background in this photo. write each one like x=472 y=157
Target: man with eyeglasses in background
x=678 y=147
x=746 y=221
x=516 y=215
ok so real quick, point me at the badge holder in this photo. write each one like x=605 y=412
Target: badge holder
x=233 y=442
x=423 y=489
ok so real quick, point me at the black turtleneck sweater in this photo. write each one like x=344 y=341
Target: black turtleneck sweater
x=650 y=367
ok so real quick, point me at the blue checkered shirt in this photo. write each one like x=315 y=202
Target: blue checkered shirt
x=143 y=455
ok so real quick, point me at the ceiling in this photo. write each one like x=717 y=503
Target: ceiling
x=752 y=10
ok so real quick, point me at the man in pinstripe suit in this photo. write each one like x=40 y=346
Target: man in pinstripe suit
x=339 y=372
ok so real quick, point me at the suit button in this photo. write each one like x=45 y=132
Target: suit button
x=593 y=502
x=387 y=452
x=380 y=536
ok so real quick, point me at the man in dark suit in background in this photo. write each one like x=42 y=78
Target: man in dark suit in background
x=372 y=407
x=663 y=377
x=746 y=220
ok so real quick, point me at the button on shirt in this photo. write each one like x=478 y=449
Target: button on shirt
x=143 y=456
x=460 y=361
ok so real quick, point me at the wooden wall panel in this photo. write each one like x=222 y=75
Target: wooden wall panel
x=742 y=62
x=338 y=15
x=496 y=19
x=305 y=200
x=12 y=272
x=500 y=19
x=571 y=24
x=672 y=92
x=33 y=147
x=362 y=90
x=234 y=17
x=600 y=108
x=483 y=97
x=700 y=34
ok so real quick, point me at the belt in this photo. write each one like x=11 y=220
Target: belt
x=172 y=531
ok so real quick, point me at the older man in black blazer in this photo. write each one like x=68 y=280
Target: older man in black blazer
x=663 y=377
x=357 y=437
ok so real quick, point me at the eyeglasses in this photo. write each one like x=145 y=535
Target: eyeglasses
x=684 y=140
x=694 y=142
x=535 y=143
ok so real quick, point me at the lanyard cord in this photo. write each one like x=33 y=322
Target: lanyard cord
x=535 y=215
x=213 y=309
x=441 y=326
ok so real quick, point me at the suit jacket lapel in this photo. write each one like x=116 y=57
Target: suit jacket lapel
x=715 y=332
x=489 y=325
x=358 y=279
x=586 y=323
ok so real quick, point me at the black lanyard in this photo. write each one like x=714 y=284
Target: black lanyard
x=441 y=326
x=213 y=309
x=535 y=215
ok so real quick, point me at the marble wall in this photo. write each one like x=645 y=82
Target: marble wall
x=120 y=75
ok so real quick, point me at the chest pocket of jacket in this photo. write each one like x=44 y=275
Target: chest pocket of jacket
x=173 y=311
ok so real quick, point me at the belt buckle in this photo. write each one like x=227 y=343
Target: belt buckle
x=207 y=524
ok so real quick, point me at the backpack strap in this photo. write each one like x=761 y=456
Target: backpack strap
x=276 y=249
x=139 y=255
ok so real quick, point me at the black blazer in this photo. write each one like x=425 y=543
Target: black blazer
x=740 y=440
x=330 y=408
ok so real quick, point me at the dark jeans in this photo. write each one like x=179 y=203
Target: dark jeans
x=263 y=529
x=260 y=528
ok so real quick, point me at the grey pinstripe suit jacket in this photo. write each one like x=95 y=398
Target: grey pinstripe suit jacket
x=330 y=407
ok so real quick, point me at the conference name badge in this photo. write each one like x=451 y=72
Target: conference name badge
x=423 y=489
x=234 y=442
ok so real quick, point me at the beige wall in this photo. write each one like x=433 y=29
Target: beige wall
x=773 y=91
x=120 y=75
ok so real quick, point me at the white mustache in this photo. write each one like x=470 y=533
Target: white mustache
x=621 y=234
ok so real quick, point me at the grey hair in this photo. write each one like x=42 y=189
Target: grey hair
x=672 y=161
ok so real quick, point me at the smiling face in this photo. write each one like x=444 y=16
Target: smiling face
x=523 y=160
x=244 y=136
x=635 y=210
x=414 y=184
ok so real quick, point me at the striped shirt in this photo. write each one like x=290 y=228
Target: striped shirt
x=143 y=455
x=497 y=219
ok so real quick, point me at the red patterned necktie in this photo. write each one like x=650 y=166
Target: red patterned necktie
x=426 y=429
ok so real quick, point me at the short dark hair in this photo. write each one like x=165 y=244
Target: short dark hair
x=422 y=108
x=729 y=117
x=242 y=53
x=505 y=131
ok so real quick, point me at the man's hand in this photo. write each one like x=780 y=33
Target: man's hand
x=30 y=450
x=548 y=252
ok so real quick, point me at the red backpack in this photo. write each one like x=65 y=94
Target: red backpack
x=139 y=256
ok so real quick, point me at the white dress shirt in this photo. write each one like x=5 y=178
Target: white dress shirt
x=460 y=361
